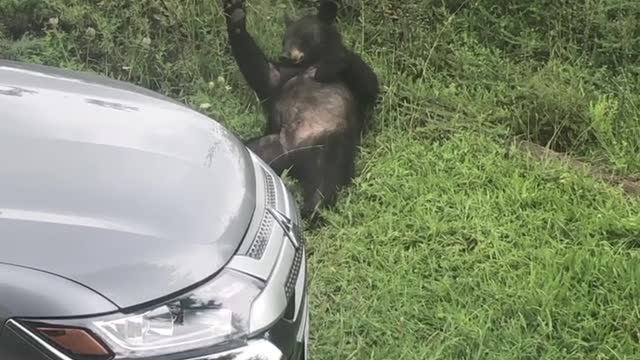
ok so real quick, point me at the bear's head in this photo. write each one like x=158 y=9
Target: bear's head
x=310 y=37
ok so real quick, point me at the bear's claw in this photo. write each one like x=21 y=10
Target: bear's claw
x=230 y=6
x=235 y=13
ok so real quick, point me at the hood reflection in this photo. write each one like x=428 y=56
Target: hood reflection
x=15 y=91
x=112 y=105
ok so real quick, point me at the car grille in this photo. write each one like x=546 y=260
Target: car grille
x=262 y=239
x=267 y=223
x=271 y=189
x=295 y=268
x=266 y=226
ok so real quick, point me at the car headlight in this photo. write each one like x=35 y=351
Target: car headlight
x=213 y=314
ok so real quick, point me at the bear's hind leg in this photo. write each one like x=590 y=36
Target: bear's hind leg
x=271 y=151
x=322 y=173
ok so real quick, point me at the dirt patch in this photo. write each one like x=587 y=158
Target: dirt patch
x=630 y=185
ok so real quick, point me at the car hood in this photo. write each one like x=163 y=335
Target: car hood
x=121 y=190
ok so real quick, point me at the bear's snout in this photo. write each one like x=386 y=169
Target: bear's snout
x=295 y=56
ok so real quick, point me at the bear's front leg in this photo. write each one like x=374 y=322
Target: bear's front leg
x=253 y=63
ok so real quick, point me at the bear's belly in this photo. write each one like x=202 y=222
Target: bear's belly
x=308 y=110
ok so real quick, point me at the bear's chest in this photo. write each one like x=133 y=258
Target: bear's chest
x=307 y=109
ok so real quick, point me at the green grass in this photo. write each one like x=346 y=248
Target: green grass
x=458 y=249
x=450 y=244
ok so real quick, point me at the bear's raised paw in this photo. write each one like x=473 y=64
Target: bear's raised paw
x=230 y=5
x=235 y=12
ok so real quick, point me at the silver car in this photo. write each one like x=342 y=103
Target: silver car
x=132 y=227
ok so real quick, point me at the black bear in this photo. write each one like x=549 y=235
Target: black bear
x=318 y=99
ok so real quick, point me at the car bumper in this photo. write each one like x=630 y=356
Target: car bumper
x=19 y=341
x=261 y=349
x=266 y=348
x=286 y=339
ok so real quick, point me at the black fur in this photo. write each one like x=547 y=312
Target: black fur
x=318 y=99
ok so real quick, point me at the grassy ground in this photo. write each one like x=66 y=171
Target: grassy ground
x=451 y=244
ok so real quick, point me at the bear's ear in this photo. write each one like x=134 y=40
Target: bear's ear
x=287 y=20
x=327 y=11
